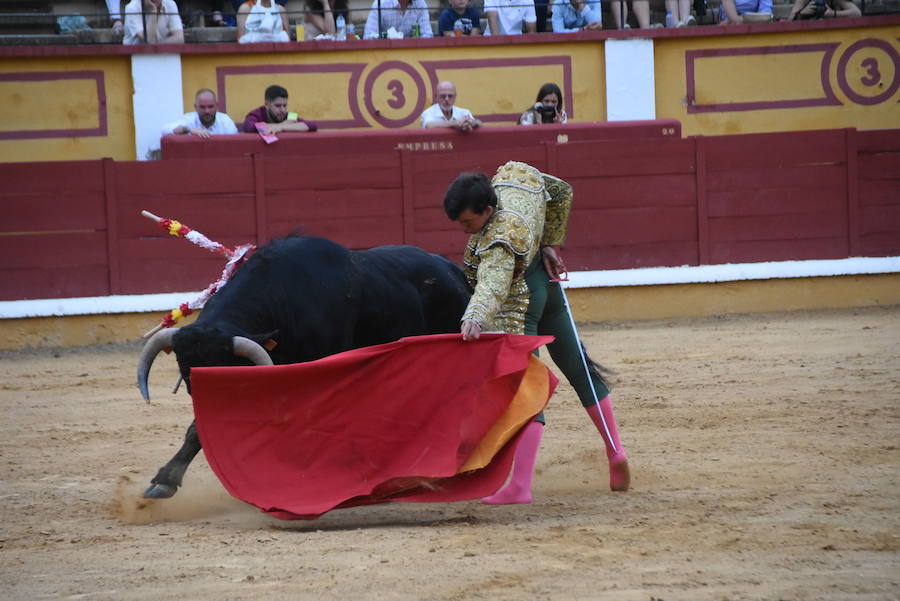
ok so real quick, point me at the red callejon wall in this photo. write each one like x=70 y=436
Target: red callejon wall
x=644 y=197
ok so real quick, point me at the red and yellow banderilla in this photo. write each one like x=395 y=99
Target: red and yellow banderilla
x=235 y=257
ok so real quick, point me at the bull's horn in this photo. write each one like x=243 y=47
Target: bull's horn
x=159 y=341
x=246 y=348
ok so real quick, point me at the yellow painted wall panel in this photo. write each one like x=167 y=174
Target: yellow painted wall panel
x=66 y=108
x=730 y=79
x=389 y=88
x=713 y=81
x=54 y=104
x=799 y=80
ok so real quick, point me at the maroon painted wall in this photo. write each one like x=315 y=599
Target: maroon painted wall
x=642 y=199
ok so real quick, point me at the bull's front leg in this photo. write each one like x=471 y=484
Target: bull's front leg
x=166 y=482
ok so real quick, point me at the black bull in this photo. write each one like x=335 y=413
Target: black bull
x=313 y=298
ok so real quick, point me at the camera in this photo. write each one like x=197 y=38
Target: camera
x=548 y=113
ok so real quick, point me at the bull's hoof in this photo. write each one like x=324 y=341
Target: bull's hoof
x=160 y=491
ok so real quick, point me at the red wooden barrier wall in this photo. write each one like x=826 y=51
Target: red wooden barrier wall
x=74 y=228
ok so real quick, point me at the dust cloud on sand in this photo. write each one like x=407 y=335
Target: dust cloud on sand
x=765 y=456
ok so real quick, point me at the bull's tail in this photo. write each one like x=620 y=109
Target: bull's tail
x=595 y=369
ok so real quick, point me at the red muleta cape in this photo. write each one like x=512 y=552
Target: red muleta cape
x=423 y=419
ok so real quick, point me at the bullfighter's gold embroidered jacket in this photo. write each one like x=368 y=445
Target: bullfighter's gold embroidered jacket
x=532 y=210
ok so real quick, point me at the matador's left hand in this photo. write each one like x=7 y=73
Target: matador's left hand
x=553 y=263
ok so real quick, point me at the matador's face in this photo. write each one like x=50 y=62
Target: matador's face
x=473 y=222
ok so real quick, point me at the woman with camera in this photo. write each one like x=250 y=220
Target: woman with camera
x=548 y=107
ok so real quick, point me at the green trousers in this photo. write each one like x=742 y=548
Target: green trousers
x=547 y=315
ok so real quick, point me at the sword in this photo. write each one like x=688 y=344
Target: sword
x=563 y=277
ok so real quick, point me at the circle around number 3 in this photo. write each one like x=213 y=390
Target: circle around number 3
x=873 y=74
x=399 y=95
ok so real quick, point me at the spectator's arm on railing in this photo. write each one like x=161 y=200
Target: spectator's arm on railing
x=424 y=21
x=241 y=19
x=530 y=18
x=371 y=31
x=284 y=19
x=492 y=17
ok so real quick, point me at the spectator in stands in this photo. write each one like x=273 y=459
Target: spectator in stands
x=576 y=15
x=823 y=9
x=275 y=113
x=548 y=107
x=619 y=10
x=402 y=15
x=237 y=3
x=205 y=121
x=216 y=18
x=507 y=17
x=262 y=21
x=115 y=15
x=459 y=19
x=320 y=17
x=735 y=12
x=206 y=13
x=443 y=113
x=541 y=12
x=161 y=18
x=681 y=13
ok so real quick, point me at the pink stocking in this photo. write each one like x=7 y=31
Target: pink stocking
x=518 y=490
x=605 y=421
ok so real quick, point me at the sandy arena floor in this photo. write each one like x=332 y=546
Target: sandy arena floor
x=765 y=454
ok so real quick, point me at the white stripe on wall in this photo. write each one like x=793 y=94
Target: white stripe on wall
x=630 y=80
x=140 y=303
x=157 y=98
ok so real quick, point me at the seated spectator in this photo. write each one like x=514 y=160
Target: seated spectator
x=275 y=113
x=161 y=18
x=507 y=17
x=735 y=12
x=209 y=12
x=576 y=15
x=823 y=9
x=320 y=17
x=548 y=107
x=205 y=121
x=619 y=10
x=237 y=4
x=216 y=18
x=443 y=113
x=402 y=15
x=459 y=19
x=262 y=21
x=115 y=15
x=681 y=13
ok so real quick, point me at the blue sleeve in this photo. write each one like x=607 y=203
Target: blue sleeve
x=475 y=16
x=765 y=6
x=592 y=12
x=445 y=21
x=559 y=24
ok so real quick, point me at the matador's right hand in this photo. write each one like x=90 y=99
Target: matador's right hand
x=470 y=330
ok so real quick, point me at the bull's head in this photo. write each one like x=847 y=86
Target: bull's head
x=196 y=346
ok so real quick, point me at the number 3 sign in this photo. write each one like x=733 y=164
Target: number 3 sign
x=869 y=71
x=395 y=94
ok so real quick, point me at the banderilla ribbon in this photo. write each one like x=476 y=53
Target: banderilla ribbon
x=235 y=257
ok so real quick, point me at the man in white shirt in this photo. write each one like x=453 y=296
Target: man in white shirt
x=444 y=114
x=206 y=121
x=162 y=20
x=505 y=17
x=402 y=15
